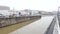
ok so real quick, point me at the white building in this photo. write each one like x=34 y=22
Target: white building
x=4 y=10
x=29 y=12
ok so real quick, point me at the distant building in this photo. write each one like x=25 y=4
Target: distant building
x=4 y=8
x=28 y=12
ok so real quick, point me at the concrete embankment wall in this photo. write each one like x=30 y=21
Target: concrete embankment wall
x=10 y=21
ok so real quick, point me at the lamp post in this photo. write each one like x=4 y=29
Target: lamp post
x=58 y=15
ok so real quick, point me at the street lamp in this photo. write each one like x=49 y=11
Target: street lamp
x=58 y=15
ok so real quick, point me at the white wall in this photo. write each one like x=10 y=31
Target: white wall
x=4 y=12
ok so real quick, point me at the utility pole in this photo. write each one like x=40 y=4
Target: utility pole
x=13 y=12
x=58 y=15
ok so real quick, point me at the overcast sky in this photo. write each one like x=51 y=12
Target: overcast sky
x=46 y=5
